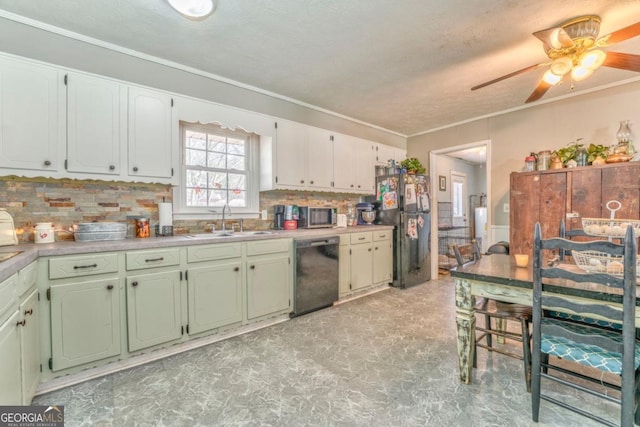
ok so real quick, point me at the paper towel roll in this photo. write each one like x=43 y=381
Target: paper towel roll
x=165 y=214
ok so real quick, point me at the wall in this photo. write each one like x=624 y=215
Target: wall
x=66 y=202
x=595 y=117
x=23 y=40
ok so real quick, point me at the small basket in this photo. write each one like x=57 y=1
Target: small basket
x=600 y=262
x=603 y=227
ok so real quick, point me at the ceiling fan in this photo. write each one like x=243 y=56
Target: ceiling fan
x=575 y=50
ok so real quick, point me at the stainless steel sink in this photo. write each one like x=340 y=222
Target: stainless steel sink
x=210 y=235
x=256 y=233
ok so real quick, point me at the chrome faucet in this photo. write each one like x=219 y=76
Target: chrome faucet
x=225 y=208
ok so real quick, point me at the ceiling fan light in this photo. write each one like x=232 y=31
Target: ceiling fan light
x=580 y=73
x=561 y=66
x=592 y=59
x=552 y=78
x=193 y=9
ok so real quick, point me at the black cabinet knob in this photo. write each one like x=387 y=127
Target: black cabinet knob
x=134 y=284
x=47 y=163
x=109 y=287
x=252 y=267
x=112 y=167
x=135 y=169
x=236 y=269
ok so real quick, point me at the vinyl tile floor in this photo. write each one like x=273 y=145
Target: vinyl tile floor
x=387 y=359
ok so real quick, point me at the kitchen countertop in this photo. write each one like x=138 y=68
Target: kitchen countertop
x=32 y=251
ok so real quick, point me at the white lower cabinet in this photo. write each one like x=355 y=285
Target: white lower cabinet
x=85 y=322
x=153 y=309
x=382 y=257
x=30 y=345
x=366 y=260
x=269 y=277
x=11 y=384
x=215 y=295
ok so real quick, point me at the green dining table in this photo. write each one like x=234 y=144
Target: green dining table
x=497 y=277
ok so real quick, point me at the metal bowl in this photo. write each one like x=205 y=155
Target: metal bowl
x=368 y=216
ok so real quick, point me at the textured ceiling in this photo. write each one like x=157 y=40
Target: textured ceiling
x=403 y=65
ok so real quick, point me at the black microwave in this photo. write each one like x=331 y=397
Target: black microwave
x=317 y=217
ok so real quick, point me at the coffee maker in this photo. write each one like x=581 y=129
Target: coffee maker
x=278 y=217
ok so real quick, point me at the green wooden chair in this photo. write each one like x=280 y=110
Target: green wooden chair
x=579 y=343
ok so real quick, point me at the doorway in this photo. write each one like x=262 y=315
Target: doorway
x=461 y=177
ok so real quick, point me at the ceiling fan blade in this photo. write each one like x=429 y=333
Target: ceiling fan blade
x=623 y=61
x=506 y=76
x=622 y=34
x=538 y=92
x=554 y=37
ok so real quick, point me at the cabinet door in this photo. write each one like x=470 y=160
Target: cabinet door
x=622 y=183
x=343 y=174
x=384 y=153
x=524 y=198
x=149 y=134
x=30 y=346
x=268 y=285
x=553 y=204
x=11 y=384
x=319 y=159
x=153 y=309
x=215 y=296
x=94 y=125
x=344 y=272
x=31 y=116
x=85 y=322
x=361 y=266
x=586 y=195
x=382 y=261
x=364 y=167
x=291 y=154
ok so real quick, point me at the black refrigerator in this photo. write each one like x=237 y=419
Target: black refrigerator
x=404 y=201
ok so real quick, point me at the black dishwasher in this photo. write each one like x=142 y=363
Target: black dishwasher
x=316 y=274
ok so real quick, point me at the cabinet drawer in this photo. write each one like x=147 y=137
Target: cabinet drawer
x=74 y=266
x=362 y=237
x=382 y=235
x=213 y=252
x=268 y=246
x=27 y=277
x=8 y=295
x=150 y=259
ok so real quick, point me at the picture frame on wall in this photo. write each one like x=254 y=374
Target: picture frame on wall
x=442 y=183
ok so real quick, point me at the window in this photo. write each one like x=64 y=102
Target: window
x=218 y=169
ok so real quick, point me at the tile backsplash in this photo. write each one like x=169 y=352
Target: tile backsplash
x=66 y=202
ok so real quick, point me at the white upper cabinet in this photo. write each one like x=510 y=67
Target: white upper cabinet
x=290 y=155
x=363 y=164
x=309 y=158
x=96 y=121
x=149 y=134
x=31 y=116
x=319 y=159
x=343 y=153
x=384 y=153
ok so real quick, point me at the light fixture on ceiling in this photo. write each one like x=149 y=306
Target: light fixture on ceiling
x=194 y=9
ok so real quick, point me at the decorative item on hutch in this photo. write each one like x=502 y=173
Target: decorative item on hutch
x=624 y=139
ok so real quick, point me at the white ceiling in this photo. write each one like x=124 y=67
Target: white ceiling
x=403 y=65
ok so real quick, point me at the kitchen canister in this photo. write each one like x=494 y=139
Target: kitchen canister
x=44 y=233
x=142 y=227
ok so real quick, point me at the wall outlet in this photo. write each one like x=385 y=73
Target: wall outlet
x=505 y=208
x=263 y=214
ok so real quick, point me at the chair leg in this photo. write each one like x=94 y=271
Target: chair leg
x=637 y=411
x=501 y=325
x=487 y=322
x=535 y=386
x=526 y=352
